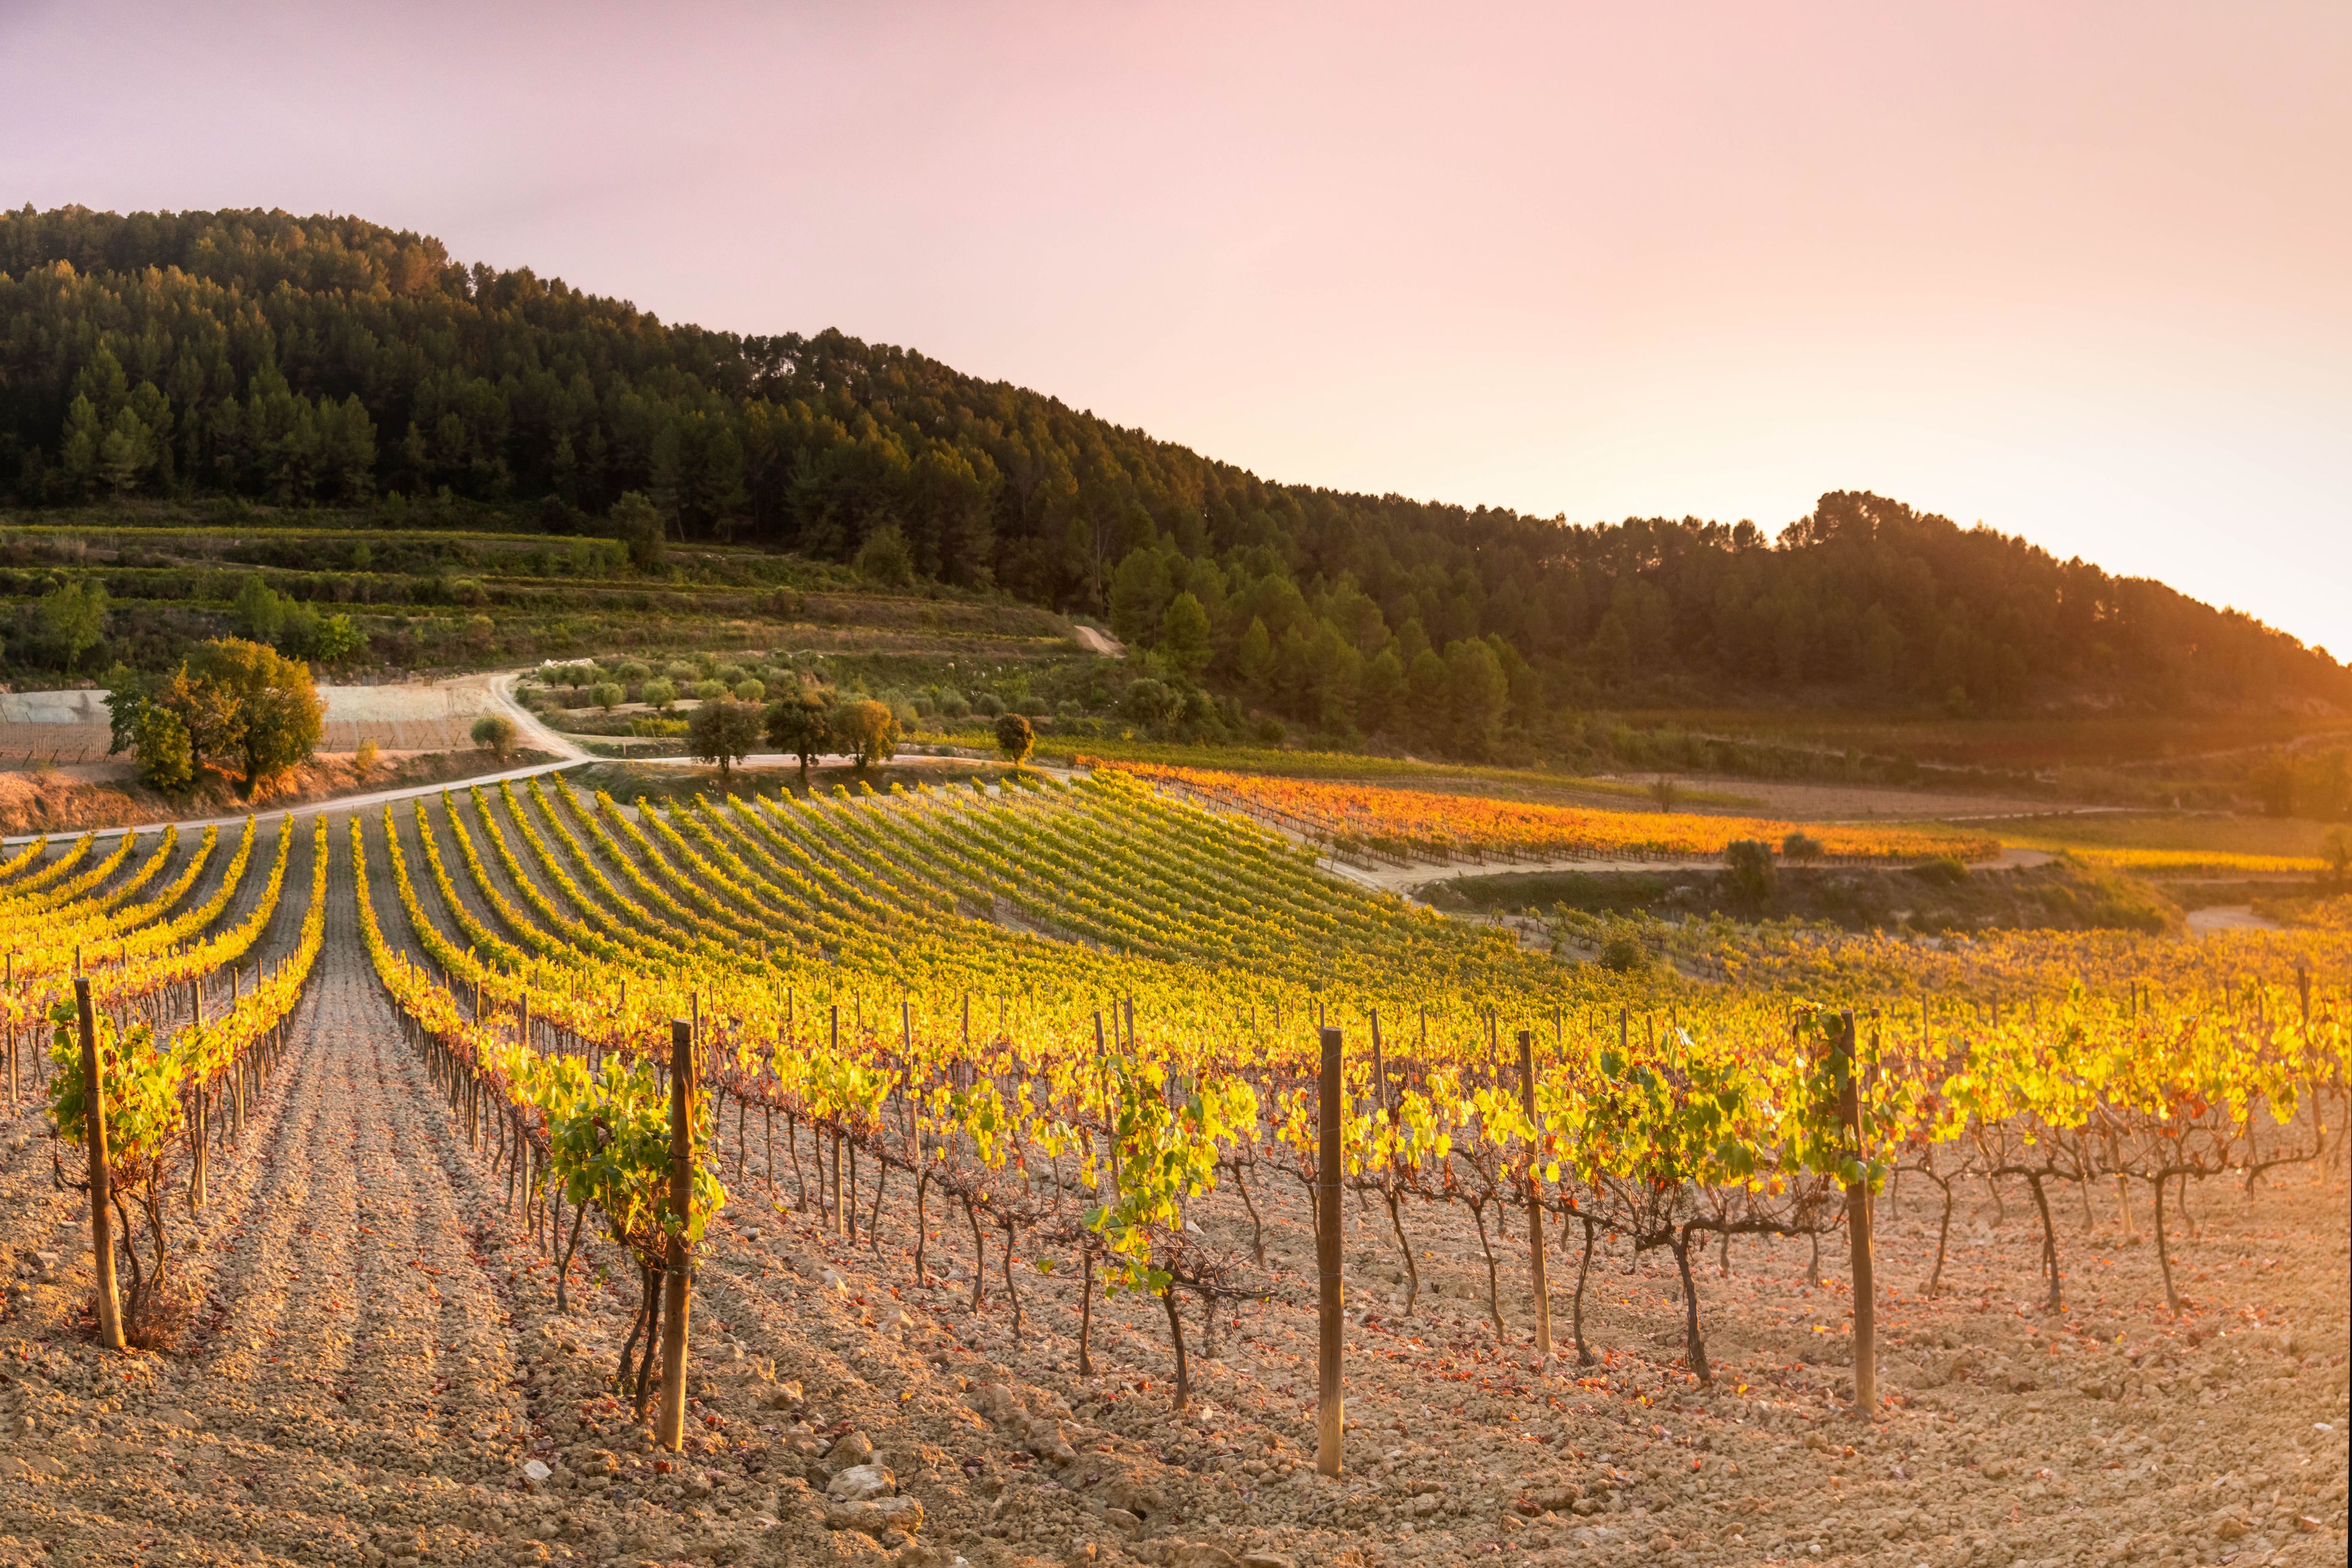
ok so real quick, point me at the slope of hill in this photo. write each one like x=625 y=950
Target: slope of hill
x=326 y=360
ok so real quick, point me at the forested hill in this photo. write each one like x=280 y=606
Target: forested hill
x=325 y=360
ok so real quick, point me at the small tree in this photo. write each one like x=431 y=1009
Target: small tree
x=337 y=641
x=657 y=694
x=1800 y=846
x=494 y=733
x=1014 y=739
x=74 y=617
x=723 y=732
x=636 y=523
x=800 y=725
x=606 y=694
x=1750 y=864
x=752 y=690
x=1666 y=793
x=363 y=759
x=259 y=611
x=868 y=730
x=885 y=558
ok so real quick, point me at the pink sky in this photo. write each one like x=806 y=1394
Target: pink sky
x=2082 y=272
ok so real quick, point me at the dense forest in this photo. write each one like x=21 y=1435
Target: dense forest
x=328 y=361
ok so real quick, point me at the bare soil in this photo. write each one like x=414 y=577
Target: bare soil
x=374 y=1356
x=57 y=801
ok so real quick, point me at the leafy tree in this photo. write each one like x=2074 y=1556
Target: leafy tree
x=606 y=694
x=73 y=617
x=724 y=731
x=800 y=724
x=752 y=690
x=494 y=733
x=1151 y=703
x=1749 y=864
x=868 y=730
x=658 y=693
x=1477 y=692
x=636 y=523
x=337 y=641
x=258 y=612
x=243 y=702
x=884 y=559
x=1254 y=659
x=1014 y=739
x=1184 y=635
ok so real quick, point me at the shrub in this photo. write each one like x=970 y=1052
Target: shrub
x=606 y=694
x=954 y=705
x=885 y=558
x=494 y=733
x=657 y=694
x=630 y=671
x=1624 y=955
x=681 y=671
x=1751 y=870
x=988 y=703
x=363 y=758
x=1800 y=846
x=707 y=690
x=167 y=761
x=1942 y=871
x=749 y=689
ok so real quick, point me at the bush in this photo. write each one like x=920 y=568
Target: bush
x=749 y=691
x=681 y=671
x=606 y=694
x=707 y=690
x=1624 y=955
x=494 y=733
x=884 y=559
x=657 y=694
x=167 y=761
x=1014 y=739
x=988 y=703
x=363 y=758
x=630 y=671
x=1800 y=846
x=953 y=705
x=1942 y=871
x=1751 y=870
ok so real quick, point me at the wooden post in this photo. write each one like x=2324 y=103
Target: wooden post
x=1535 y=1195
x=678 y=1296
x=101 y=1192
x=1329 y=1112
x=1857 y=1223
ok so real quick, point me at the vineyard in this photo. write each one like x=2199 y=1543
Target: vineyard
x=1404 y=825
x=1099 y=1087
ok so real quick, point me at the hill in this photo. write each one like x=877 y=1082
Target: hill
x=331 y=362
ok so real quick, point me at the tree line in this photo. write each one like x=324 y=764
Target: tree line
x=331 y=361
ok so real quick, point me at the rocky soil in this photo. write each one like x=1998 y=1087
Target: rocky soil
x=375 y=1372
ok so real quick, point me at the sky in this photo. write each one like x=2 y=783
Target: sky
x=2080 y=272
